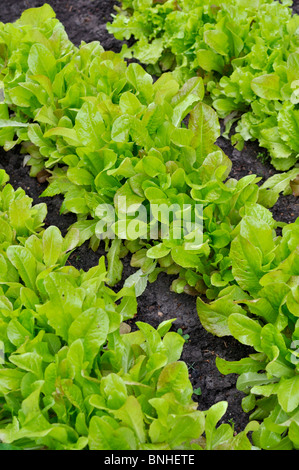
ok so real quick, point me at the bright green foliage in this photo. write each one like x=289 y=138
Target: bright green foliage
x=262 y=311
x=106 y=131
x=72 y=377
x=246 y=52
x=206 y=268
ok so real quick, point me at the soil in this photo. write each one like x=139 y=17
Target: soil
x=85 y=20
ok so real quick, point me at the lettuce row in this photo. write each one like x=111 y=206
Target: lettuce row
x=104 y=130
x=145 y=155
x=229 y=45
x=73 y=377
x=247 y=54
x=261 y=311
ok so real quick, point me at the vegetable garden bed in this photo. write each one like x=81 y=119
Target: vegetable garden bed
x=86 y=21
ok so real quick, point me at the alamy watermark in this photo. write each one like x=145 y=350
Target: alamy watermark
x=152 y=221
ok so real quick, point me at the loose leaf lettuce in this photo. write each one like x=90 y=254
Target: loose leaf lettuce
x=247 y=54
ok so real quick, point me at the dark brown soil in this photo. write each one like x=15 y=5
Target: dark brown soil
x=85 y=20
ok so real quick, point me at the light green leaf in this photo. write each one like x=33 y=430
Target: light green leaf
x=91 y=326
x=215 y=315
x=191 y=92
x=105 y=434
x=158 y=251
x=141 y=81
x=213 y=415
x=37 y=16
x=25 y=263
x=10 y=380
x=245 y=330
x=131 y=415
x=115 y=266
x=114 y=391
x=288 y=393
x=90 y=126
x=174 y=378
x=209 y=60
x=29 y=361
x=129 y=104
x=217 y=40
x=52 y=245
x=10 y=123
x=41 y=61
x=246 y=264
x=69 y=135
x=267 y=86
x=205 y=125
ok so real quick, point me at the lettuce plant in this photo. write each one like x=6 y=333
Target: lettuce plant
x=246 y=52
x=261 y=311
x=72 y=376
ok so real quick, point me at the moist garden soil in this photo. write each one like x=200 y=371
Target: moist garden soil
x=85 y=20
